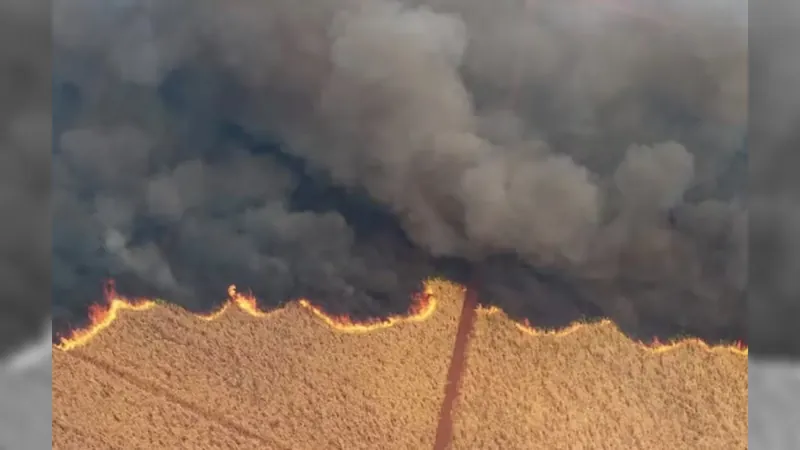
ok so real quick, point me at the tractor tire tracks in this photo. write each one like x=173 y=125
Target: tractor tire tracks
x=161 y=392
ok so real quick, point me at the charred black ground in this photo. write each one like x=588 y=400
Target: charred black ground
x=580 y=164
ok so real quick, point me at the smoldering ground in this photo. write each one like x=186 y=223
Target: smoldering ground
x=576 y=160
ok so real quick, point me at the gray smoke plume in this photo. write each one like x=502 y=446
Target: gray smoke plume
x=577 y=159
x=25 y=223
x=25 y=137
x=774 y=288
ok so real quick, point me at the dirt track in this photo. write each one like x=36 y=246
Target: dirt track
x=167 y=379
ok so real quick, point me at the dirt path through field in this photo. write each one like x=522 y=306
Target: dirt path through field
x=444 y=431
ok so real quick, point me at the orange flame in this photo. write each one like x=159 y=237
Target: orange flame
x=245 y=302
x=101 y=316
x=421 y=309
x=655 y=347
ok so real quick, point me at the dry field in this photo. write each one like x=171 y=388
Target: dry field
x=590 y=387
x=163 y=378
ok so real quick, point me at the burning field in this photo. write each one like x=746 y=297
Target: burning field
x=291 y=378
x=582 y=161
x=295 y=378
x=589 y=384
x=570 y=161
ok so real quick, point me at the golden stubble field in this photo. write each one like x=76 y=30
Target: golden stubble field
x=592 y=388
x=165 y=378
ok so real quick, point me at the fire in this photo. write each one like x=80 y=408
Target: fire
x=656 y=347
x=421 y=309
x=245 y=302
x=488 y=310
x=102 y=316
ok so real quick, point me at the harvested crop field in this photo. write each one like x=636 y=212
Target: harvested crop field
x=592 y=385
x=164 y=378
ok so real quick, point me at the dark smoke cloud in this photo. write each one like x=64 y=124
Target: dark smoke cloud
x=774 y=291
x=575 y=159
x=25 y=136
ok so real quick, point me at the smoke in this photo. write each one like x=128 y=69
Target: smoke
x=773 y=292
x=24 y=172
x=575 y=159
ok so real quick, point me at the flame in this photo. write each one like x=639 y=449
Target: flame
x=102 y=316
x=488 y=310
x=655 y=347
x=245 y=302
x=421 y=309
